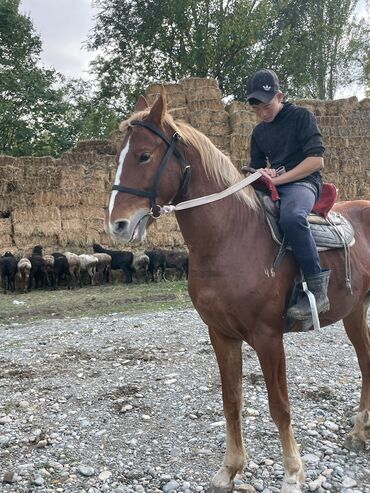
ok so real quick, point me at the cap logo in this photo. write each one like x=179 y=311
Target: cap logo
x=266 y=88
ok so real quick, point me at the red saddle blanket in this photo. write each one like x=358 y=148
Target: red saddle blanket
x=322 y=205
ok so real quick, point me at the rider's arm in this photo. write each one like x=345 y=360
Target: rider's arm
x=303 y=169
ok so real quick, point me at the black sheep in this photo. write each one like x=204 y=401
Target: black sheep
x=120 y=260
x=157 y=262
x=8 y=269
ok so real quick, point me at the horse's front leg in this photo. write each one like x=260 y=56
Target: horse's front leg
x=229 y=357
x=270 y=351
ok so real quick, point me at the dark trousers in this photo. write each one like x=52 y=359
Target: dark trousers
x=296 y=202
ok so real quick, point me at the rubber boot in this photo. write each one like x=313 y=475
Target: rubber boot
x=318 y=285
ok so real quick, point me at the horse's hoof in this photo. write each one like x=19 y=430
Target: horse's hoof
x=354 y=443
x=221 y=489
x=291 y=488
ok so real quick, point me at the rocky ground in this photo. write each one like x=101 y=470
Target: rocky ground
x=132 y=403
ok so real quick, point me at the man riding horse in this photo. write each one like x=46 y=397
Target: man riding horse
x=289 y=141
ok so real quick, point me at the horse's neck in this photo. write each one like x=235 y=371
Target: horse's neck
x=217 y=227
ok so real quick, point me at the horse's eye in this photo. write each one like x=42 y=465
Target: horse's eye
x=144 y=157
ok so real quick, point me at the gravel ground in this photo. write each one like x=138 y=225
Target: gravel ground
x=128 y=404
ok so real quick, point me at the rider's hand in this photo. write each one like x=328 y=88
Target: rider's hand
x=269 y=172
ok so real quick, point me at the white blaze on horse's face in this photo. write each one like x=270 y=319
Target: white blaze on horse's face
x=125 y=229
x=117 y=182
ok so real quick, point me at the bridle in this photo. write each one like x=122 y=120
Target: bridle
x=152 y=194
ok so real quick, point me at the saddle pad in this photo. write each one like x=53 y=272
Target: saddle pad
x=326 y=236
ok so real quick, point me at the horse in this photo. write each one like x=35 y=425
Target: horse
x=231 y=281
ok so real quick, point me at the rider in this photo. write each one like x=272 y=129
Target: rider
x=287 y=147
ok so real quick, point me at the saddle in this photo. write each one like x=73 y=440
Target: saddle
x=329 y=229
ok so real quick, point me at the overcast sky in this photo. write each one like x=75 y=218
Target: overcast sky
x=63 y=26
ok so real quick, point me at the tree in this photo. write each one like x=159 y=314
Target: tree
x=26 y=93
x=41 y=113
x=318 y=47
x=314 y=46
x=168 y=40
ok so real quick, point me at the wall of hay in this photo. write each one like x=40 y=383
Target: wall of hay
x=60 y=203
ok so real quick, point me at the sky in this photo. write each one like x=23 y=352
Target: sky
x=64 y=25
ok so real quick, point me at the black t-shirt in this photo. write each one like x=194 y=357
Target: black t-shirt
x=292 y=136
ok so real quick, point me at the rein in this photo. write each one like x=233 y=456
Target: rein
x=156 y=210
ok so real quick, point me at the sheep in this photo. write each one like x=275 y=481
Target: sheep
x=89 y=264
x=139 y=266
x=38 y=269
x=24 y=268
x=49 y=264
x=8 y=270
x=61 y=269
x=74 y=263
x=157 y=262
x=120 y=260
x=103 y=267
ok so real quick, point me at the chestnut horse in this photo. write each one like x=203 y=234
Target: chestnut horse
x=232 y=282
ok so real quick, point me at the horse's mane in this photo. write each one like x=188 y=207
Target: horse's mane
x=215 y=163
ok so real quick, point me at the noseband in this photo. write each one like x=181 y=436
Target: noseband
x=152 y=194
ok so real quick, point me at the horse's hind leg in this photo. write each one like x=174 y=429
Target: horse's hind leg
x=229 y=357
x=270 y=351
x=358 y=332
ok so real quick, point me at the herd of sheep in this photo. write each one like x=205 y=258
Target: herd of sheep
x=40 y=270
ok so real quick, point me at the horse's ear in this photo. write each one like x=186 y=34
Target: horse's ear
x=141 y=104
x=159 y=109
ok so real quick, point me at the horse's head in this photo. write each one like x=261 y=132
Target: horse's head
x=151 y=171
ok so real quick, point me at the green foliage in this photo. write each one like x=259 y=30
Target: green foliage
x=145 y=41
x=41 y=113
x=316 y=47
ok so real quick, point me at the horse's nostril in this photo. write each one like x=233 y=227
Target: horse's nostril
x=120 y=226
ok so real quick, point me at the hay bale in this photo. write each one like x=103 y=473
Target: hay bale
x=36 y=220
x=203 y=94
x=81 y=213
x=180 y=114
x=26 y=242
x=174 y=93
x=208 y=116
x=209 y=104
x=192 y=84
x=103 y=146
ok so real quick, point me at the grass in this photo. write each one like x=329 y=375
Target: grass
x=92 y=300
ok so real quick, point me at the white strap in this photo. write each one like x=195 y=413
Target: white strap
x=207 y=199
x=313 y=306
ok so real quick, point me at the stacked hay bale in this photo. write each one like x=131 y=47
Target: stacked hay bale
x=61 y=203
x=36 y=225
x=207 y=112
x=87 y=177
x=344 y=125
x=242 y=122
x=6 y=234
x=175 y=99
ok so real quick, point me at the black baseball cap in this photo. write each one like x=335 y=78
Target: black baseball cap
x=263 y=86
